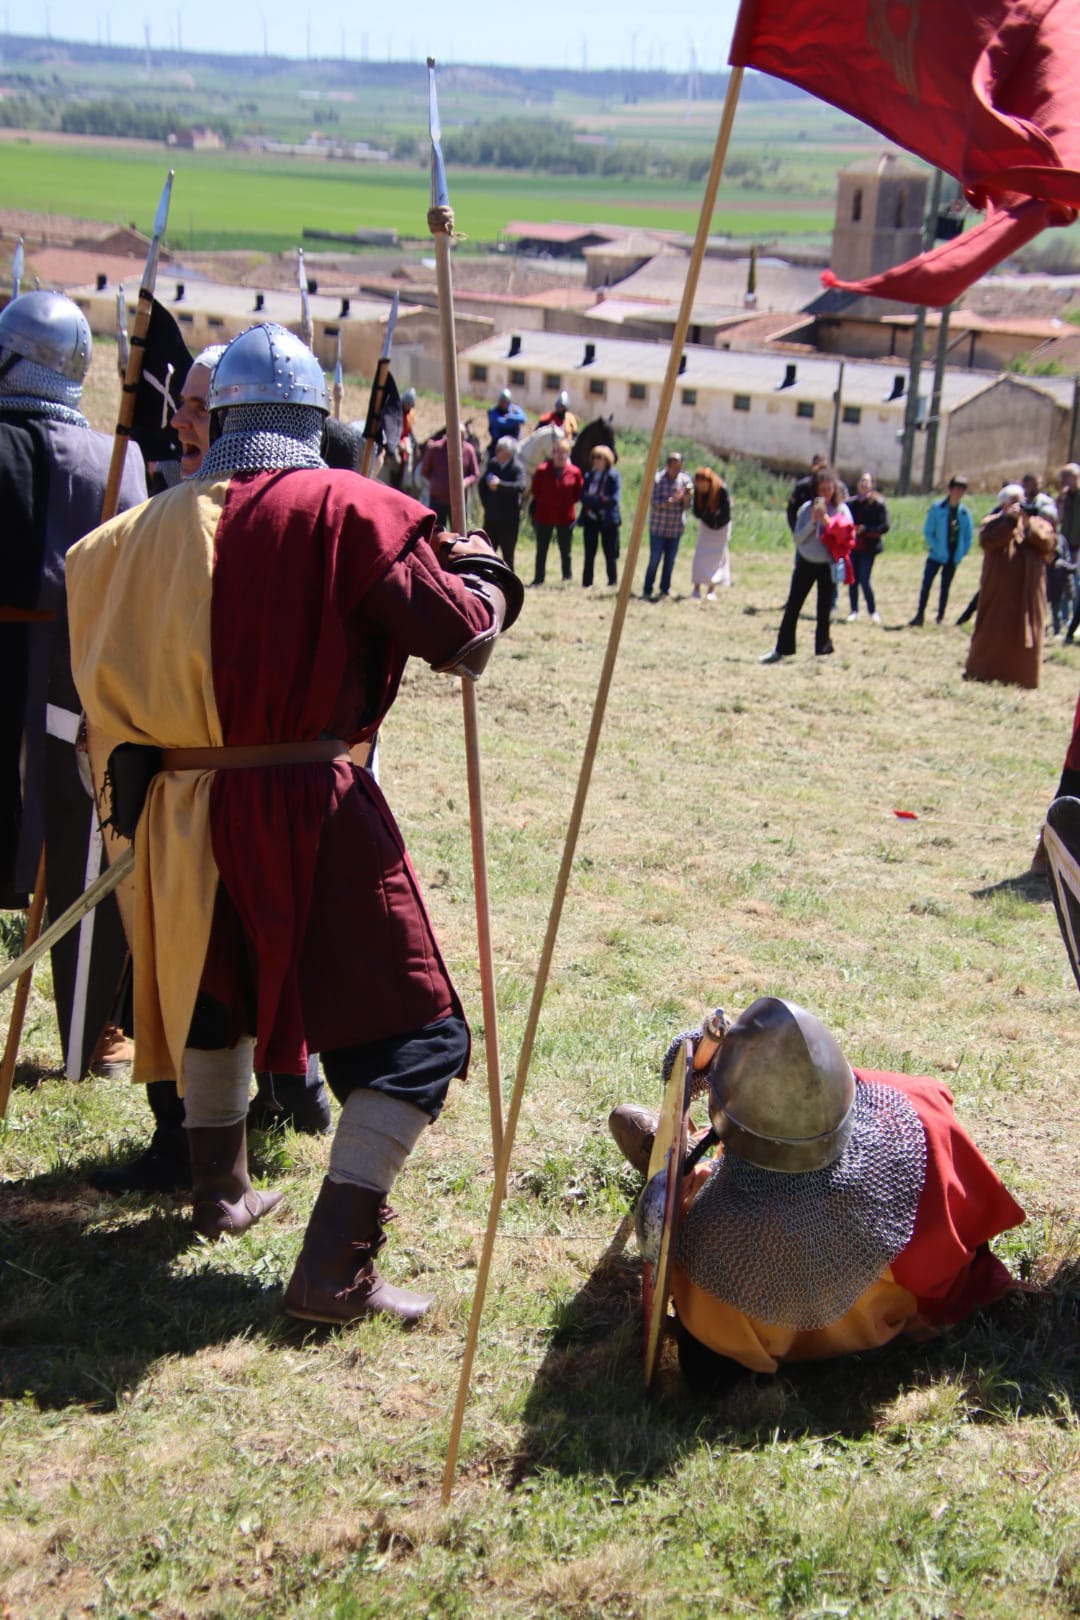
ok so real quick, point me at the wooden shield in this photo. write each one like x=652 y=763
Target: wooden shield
x=668 y=1153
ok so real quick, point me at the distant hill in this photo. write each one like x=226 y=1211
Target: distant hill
x=533 y=84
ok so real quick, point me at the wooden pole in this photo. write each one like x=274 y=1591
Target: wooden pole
x=652 y=465
x=90 y=897
x=22 y=990
x=441 y=226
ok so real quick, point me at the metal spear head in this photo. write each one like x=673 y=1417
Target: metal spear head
x=149 y=279
x=305 y=306
x=390 y=324
x=17 y=269
x=122 y=341
x=440 y=195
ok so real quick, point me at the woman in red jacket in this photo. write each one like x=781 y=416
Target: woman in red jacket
x=556 y=486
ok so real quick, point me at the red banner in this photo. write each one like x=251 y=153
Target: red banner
x=981 y=88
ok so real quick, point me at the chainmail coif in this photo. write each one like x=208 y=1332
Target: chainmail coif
x=265 y=438
x=796 y=1251
x=34 y=390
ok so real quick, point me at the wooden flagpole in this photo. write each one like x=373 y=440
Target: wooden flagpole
x=652 y=464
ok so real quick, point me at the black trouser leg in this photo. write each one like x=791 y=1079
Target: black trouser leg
x=166 y=1104
x=543 y=540
x=929 y=574
x=947 y=571
x=803 y=577
x=609 y=539
x=590 y=536
x=565 y=534
x=826 y=595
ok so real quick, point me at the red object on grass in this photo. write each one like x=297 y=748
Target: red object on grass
x=906 y=815
x=983 y=89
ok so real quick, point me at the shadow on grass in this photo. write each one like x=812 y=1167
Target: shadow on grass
x=587 y=1412
x=91 y=1295
x=1031 y=886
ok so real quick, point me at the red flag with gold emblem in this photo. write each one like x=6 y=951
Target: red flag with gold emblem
x=980 y=88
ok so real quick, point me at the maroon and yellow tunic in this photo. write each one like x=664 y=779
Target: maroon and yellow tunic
x=263 y=608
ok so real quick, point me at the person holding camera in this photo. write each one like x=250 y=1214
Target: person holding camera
x=823 y=535
x=1017 y=540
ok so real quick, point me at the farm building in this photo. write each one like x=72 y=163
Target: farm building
x=213 y=312
x=781 y=411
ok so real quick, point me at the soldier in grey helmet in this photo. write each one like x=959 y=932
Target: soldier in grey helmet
x=843 y=1208
x=286 y=598
x=53 y=473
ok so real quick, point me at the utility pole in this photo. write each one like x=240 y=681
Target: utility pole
x=918 y=339
x=838 y=402
x=933 y=421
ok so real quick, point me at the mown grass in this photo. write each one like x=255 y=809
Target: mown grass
x=172 y=1446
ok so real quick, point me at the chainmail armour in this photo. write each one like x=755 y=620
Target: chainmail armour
x=796 y=1251
x=265 y=438
x=39 y=391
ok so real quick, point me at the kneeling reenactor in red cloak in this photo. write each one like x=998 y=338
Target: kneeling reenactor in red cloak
x=843 y=1208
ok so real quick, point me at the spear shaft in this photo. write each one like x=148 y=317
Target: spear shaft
x=441 y=226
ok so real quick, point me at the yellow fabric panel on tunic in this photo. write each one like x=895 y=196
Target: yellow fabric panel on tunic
x=139 y=593
x=880 y=1313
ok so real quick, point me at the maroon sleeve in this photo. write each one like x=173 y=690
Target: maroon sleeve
x=426 y=612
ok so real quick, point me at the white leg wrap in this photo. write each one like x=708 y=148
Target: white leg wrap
x=216 y=1084
x=374 y=1137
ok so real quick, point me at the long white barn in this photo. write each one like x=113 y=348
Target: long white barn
x=737 y=403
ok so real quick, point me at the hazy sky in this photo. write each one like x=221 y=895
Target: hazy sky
x=628 y=33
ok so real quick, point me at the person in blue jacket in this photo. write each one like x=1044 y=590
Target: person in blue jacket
x=505 y=420
x=948 y=531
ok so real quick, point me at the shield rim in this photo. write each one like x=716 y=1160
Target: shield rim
x=668 y=1152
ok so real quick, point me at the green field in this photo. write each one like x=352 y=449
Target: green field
x=224 y=200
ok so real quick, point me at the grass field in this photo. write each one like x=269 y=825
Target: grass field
x=223 y=200
x=172 y=1447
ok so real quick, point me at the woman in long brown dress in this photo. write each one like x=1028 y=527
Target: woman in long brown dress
x=1017 y=544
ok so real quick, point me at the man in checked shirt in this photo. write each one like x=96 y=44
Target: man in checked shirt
x=673 y=492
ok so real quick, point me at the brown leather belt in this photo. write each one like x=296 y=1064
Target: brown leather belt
x=19 y=615
x=319 y=750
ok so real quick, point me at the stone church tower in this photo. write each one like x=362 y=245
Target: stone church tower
x=880 y=203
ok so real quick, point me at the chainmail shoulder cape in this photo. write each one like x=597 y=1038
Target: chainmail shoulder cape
x=796 y=1251
x=265 y=438
x=33 y=390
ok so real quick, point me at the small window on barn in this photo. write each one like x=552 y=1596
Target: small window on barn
x=518 y=379
x=638 y=391
x=331 y=332
x=852 y=415
x=598 y=386
x=805 y=407
x=215 y=322
x=185 y=317
x=856 y=204
x=552 y=380
x=689 y=396
x=742 y=402
x=901 y=207
x=478 y=373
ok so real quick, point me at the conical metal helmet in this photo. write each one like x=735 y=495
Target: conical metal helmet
x=781 y=1091
x=48 y=329
x=268 y=365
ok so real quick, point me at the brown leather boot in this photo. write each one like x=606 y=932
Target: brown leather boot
x=225 y=1201
x=335 y=1279
x=634 y=1130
